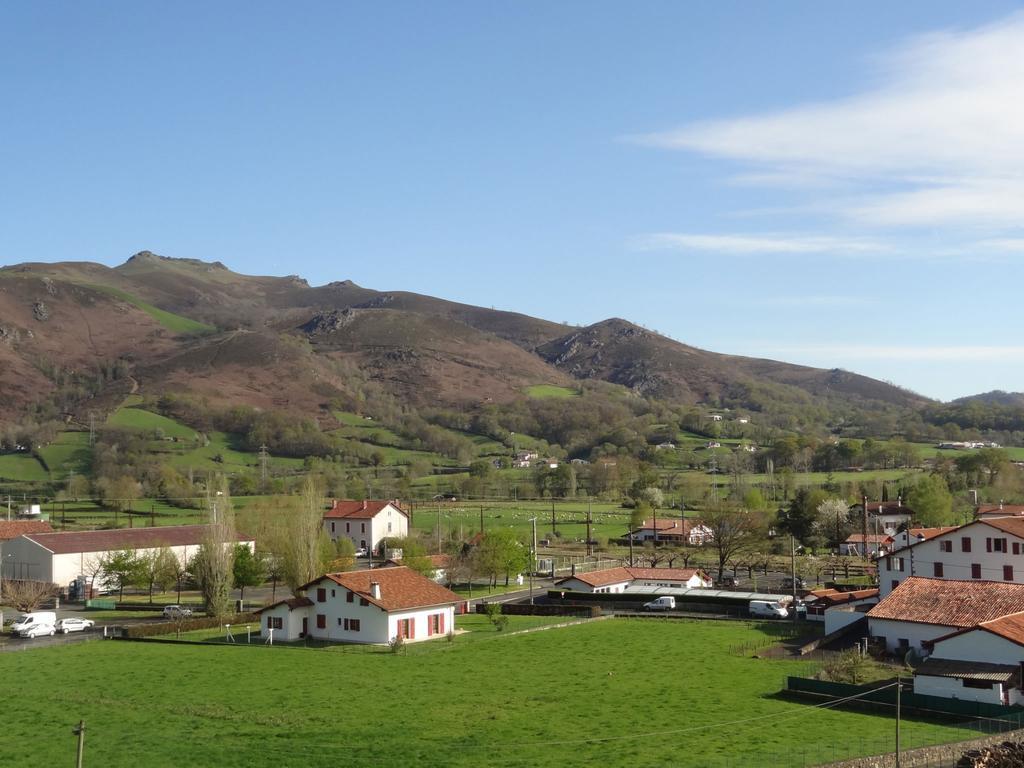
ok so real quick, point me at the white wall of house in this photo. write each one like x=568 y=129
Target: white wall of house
x=694 y=582
x=914 y=632
x=291 y=623
x=957 y=563
x=363 y=532
x=979 y=645
x=838 y=617
x=575 y=585
x=953 y=688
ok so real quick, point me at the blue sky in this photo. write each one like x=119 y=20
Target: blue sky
x=833 y=184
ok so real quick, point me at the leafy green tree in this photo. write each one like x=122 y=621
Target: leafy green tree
x=931 y=501
x=212 y=565
x=155 y=569
x=248 y=569
x=500 y=552
x=120 y=569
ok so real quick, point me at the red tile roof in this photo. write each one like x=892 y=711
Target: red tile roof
x=12 y=529
x=601 y=578
x=1010 y=627
x=1000 y=509
x=608 y=576
x=950 y=602
x=401 y=588
x=360 y=510
x=66 y=542
x=923 y=534
x=835 y=597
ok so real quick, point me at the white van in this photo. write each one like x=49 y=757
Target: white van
x=768 y=609
x=35 y=624
x=663 y=603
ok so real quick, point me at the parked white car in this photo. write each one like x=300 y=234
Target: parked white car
x=35 y=624
x=663 y=603
x=768 y=609
x=74 y=625
x=176 y=612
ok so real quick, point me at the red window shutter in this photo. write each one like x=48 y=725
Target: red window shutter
x=938 y=570
x=975 y=570
x=412 y=628
x=321 y=595
x=1007 y=573
x=965 y=544
x=442 y=623
x=270 y=622
x=430 y=626
x=1016 y=547
x=988 y=544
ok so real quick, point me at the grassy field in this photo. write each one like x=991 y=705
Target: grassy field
x=22 y=467
x=168 y=320
x=136 y=418
x=68 y=453
x=612 y=692
x=550 y=391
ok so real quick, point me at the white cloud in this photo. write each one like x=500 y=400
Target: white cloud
x=756 y=244
x=939 y=141
x=846 y=352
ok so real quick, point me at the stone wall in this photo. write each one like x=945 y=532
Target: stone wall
x=927 y=757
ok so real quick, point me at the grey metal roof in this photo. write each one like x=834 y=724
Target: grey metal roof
x=696 y=592
x=967 y=670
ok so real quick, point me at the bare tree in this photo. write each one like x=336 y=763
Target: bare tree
x=27 y=595
x=734 y=531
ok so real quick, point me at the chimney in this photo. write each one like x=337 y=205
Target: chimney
x=364 y=504
x=375 y=590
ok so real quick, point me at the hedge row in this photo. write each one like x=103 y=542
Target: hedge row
x=519 y=609
x=187 y=625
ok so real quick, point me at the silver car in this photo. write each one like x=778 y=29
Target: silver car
x=74 y=625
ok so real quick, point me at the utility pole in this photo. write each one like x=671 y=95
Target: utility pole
x=533 y=556
x=898 y=687
x=553 y=531
x=631 y=535
x=481 y=518
x=590 y=548
x=792 y=564
x=864 y=541
x=439 y=526
x=79 y=731
x=263 y=465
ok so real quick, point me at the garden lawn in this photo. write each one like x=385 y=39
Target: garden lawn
x=137 y=418
x=657 y=693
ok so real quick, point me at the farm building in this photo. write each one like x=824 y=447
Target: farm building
x=620 y=579
x=60 y=558
x=372 y=606
x=366 y=523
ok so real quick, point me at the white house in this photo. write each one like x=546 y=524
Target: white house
x=369 y=606
x=986 y=549
x=921 y=610
x=366 y=523
x=612 y=580
x=673 y=530
x=981 y=663
x=716 y=417
x=60 y=558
